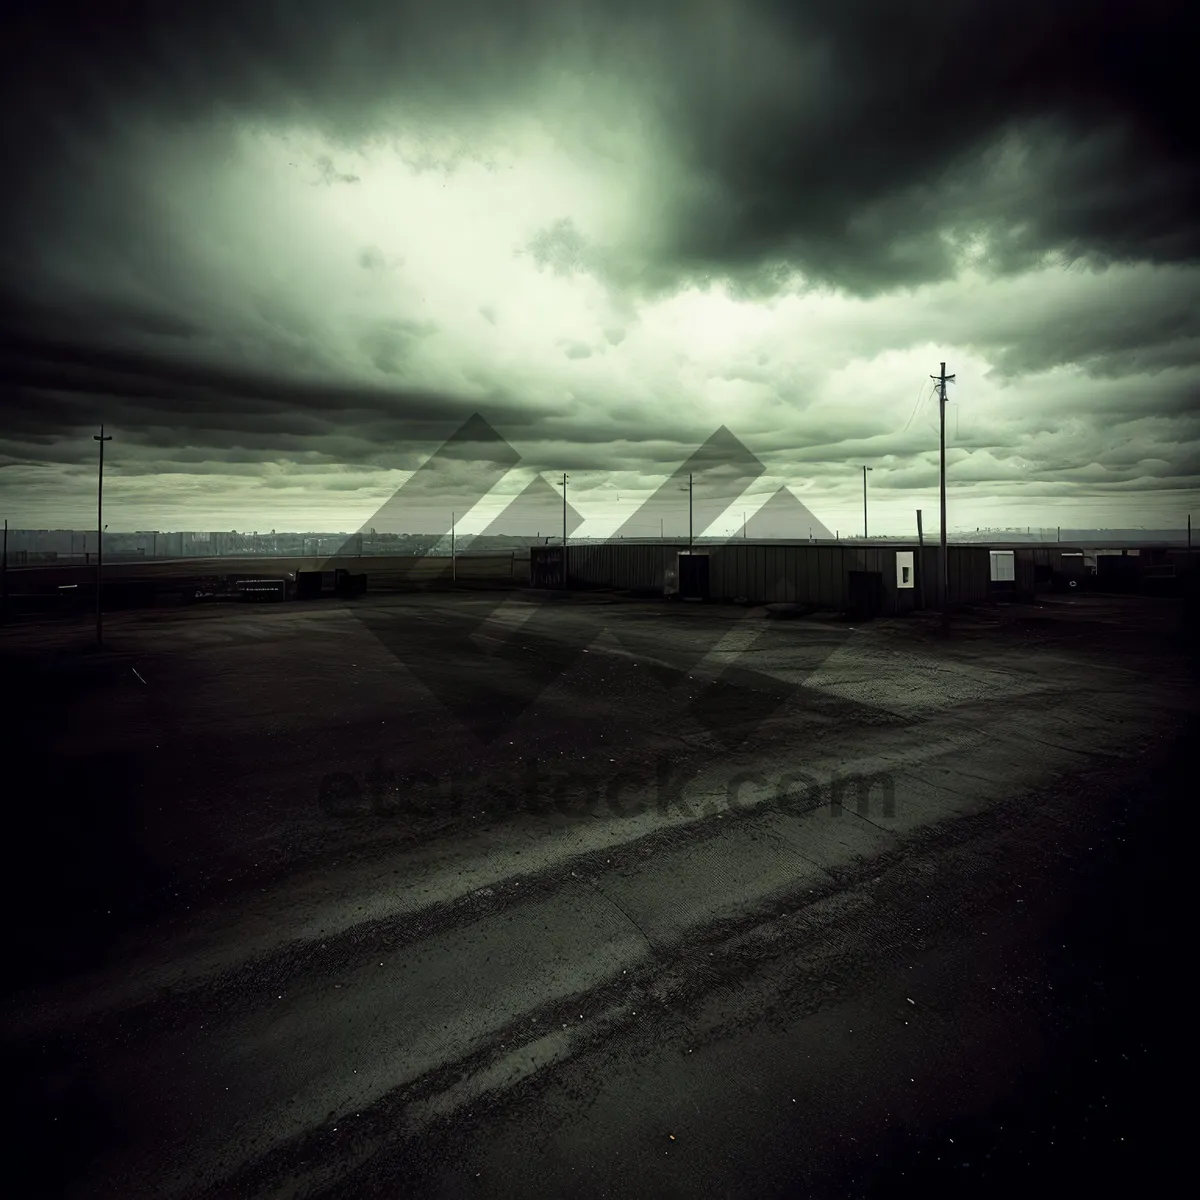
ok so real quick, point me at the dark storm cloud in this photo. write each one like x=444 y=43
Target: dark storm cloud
x=1148 y=325
x=866 y=145
x=62 y=386
x=866 y=129
x=841 y=137
x=178 y=412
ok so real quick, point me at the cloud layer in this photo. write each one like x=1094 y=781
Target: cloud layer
x=285 y=250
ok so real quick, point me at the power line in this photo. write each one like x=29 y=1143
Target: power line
x=916 y=408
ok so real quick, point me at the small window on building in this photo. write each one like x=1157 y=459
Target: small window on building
x=904 y=568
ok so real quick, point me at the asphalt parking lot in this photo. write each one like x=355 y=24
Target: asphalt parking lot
x=260 y=845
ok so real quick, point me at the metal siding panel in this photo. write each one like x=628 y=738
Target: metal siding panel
x=839 y=593
x=718 y=574
x=776 y=571
x=730 y=589
x=716 y=560
x=887 y=568
x=730 y=585
x=832 y=577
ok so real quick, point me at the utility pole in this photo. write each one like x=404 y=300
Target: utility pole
x=920 y=562
x=564 y=535
x=99 y=437
x=690 y=539
x=453 y=560
x=864 y=471
x=943 y=572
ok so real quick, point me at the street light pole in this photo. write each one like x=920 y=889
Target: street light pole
x=864 y=471
x=100 y=534
x=564 y=533
x=943 y=379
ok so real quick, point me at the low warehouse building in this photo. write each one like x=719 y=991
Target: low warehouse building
x=884 y=580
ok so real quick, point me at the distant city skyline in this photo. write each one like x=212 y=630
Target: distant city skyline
x=603 y=505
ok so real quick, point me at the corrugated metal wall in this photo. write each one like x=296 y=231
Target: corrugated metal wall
x=970 y=571
x=629 y=566
x=968 y=574
x=763 y=573
x=1026 y=576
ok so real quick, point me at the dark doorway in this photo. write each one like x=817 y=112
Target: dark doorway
x=693 y=576
x=865 y=595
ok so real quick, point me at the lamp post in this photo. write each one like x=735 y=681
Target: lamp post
x=864 y=471
x=100 y=533
x=565 y=479
x=688 y=489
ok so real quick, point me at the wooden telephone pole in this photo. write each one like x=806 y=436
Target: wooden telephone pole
x=100 y=534
x=943 y=571
x=564 y=535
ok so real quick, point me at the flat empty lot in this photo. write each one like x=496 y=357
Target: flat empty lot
x=286 y=868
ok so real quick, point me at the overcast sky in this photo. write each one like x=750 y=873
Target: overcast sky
x=284 y=250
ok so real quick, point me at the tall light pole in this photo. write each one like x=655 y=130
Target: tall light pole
x=690 y=538
x=688 y=489
x=943 y=379
x=99 y=437
x=864 y=471
x=564 y=533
